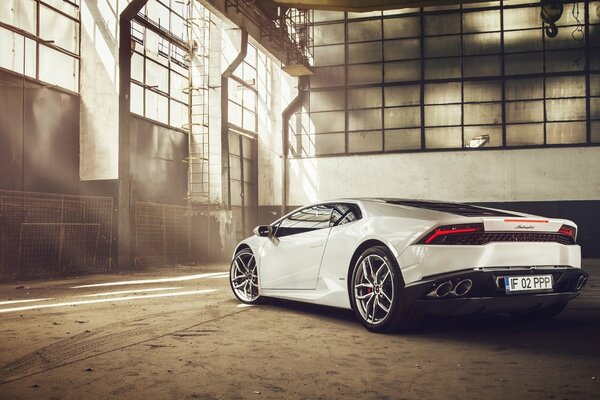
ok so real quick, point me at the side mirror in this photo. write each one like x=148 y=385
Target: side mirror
x=264 y=230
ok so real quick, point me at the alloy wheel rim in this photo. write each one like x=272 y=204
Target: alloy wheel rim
x=373 y=289
x=244 y=277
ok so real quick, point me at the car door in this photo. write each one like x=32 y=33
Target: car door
x=291 y=258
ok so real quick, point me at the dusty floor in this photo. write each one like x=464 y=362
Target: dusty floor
x=188 y=338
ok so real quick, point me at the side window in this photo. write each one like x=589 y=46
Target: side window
x=305 y=220
x=344 y=214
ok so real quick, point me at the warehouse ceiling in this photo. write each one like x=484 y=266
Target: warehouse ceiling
x=363 y=6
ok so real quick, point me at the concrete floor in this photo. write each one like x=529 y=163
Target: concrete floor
x=188 y=338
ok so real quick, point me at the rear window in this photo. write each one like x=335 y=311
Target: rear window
x=465 y=210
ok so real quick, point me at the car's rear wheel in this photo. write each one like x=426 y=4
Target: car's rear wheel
x=243 y=277
x=377 y=293
x=543 y=313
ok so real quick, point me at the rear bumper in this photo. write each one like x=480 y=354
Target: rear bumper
x=488 y=295
x=420 y=261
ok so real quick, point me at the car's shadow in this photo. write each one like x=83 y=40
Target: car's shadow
x=576 y=331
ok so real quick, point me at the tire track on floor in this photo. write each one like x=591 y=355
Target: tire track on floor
x=105 y=340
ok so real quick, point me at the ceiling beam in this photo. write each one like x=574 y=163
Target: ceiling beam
x=364 y=6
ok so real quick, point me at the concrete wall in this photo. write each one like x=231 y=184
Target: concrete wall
x=472 y=176
x=99 y=89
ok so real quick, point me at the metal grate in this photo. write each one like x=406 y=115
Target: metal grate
x=162 y=234
x=47 y=234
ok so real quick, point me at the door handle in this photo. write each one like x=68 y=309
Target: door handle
x=316 y=246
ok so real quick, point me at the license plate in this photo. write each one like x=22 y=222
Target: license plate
x=529 y=283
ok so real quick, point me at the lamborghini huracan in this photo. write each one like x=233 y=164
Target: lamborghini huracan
x=394 y=260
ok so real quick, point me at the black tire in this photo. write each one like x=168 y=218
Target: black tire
x=544 y=313
x=403 y=314
x=248 y=272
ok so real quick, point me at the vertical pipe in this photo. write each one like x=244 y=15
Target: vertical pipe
x=287 y=113
x=225 y=172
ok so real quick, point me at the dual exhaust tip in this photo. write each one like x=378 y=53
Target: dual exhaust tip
x=448 y=288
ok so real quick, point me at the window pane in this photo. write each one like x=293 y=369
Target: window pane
x=522 y=18
x=443 y=93
x=364 y=98
x=362 y=120
x=522 y=41
x=402 y=95
x=137 y=99
x=565 y=132
x=402 y=49
x=157 y=107
x=401 y=27
x=364 y=52
x=480 y=66
x=567 y=86
x=523 y=89
x=324 y=16
x=442 y=46
x=486 y=113
x=475 y=134
x=327 y=100
x=364 y=74
x=329 y=55
x=157 y=76
x=330 y=143
x=525 y=111
x=567 y=60
x=402 y=71
x=19 y=13
x=439 y=138
x=402 y=117
x=525 y=134
x=482 y=21
x=64 y=32
x=328 y=34
x=442 y=68
x=365 y=141
x=442 y=115
x=442 y=24
x=365 y=30
x=327 y=121
x=565 y=109
x=402 y=139
x=518 y=64
x=327 y=76
x=481 y=43
x=58 y=68
x=482 y=91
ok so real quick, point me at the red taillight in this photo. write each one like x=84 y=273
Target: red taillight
x=437 y=235
x=568 y=230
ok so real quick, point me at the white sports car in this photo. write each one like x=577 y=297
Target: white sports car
x=393 y=260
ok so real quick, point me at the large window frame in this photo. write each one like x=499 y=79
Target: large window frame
x=384 y=54
x=159 y=69
x=48 y=34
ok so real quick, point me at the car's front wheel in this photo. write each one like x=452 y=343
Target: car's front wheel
x=243 y=277
x=377 y=293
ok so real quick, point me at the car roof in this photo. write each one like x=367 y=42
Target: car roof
x=462 y=209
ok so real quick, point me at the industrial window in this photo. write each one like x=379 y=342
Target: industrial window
x=459 y=77
x=40 y=39
x=244 y=85
x=159 y=70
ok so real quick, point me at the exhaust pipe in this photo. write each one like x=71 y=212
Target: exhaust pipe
x=581 y=282
x=443 y=290
x=463 y=287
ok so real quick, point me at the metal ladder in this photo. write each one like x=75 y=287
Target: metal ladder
x=198 y=27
